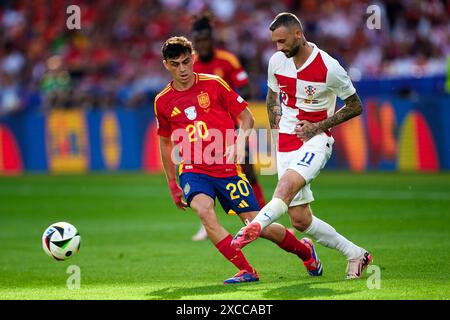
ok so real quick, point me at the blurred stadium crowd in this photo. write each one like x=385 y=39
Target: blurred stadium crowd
x=114 y=60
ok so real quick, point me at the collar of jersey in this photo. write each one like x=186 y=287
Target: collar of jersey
x=310 y=59
x=196 y=81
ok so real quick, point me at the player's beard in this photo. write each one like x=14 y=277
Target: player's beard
x=293 y=51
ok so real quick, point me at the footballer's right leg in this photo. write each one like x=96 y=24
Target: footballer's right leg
x=203 y=205
x=286 y=190
x=296 y=169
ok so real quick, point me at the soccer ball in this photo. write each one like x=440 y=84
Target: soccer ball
x=61 y=240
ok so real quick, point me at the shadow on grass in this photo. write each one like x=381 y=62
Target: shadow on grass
x=289 y=292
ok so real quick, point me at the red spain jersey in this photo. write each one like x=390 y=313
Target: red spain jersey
x=225 y=65
x=199 y=120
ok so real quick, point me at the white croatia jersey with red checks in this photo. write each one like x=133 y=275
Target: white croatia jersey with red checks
x=307 y=93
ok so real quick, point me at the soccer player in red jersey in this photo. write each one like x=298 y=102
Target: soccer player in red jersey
x=226 y=65
x=195 y=114
x=307 y=80
x=211 y=60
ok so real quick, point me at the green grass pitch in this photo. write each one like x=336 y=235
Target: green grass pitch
x=136 y=245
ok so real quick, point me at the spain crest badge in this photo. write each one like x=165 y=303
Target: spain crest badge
x=203 y=101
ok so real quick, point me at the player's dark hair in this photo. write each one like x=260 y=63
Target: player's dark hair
x=202 y=24
x=285 y=19
x=175 y=47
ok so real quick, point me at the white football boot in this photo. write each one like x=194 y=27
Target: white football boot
x=355 y=267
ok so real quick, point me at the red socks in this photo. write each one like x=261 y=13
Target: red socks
x=236 y=257
x=291 y=244
x=259 y=194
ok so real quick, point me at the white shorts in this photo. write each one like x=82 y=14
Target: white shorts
x=307 y=161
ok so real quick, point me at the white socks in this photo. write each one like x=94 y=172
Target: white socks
x=327 y=236
x=271 y=212
x=320 y=230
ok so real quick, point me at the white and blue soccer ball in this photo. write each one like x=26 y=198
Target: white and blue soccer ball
x=61 y=241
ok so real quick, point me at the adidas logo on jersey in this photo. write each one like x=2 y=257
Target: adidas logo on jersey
x=175 y=111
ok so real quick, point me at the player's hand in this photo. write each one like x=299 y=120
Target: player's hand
x=305 y=130
x=177 y=195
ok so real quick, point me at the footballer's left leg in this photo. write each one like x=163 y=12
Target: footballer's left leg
x=304 y=221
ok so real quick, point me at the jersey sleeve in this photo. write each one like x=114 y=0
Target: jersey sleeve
x=232 y=102
x=162 y=124
x=272 y=81
x=239 y=78
x=339 y=82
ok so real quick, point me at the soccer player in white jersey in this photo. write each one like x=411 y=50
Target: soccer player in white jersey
x=307 y=81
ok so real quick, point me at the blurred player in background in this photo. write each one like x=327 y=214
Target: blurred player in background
x=308 y=81
x=188 y=110
x=226 y=65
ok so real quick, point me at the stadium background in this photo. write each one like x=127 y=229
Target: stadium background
x=81 y=100
x=78 y=144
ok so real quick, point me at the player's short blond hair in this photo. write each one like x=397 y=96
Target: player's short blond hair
x=174 y=47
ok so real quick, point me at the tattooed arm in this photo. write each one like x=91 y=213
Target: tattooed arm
x=274 y=114
x=353 y=107
x=273 y=109
x=305 y=130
